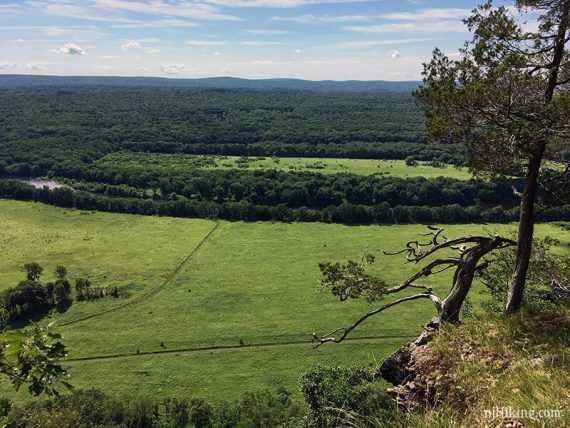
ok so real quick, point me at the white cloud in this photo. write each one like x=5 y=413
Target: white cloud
x=267 y=32
x=7 y=65
x=422 y=27
x=132 y=44
x=276 y=3
x=160 y=23
x=323 y=19
x=260 y=43
x=152 y=51
x=71 y=32
x=204 y=43
x=339 y=68
x=180 y=9
x=297 y=51
x=429 y=14
x=10 y=9
x=420 y=15
x=394 y=54
x=143 y=68
x=171 y=68
x=69 y=10
x=34 y=67
x=103 y=67
x=216 y=53
x=70 y=49
x=367 y=44
x=454 y=55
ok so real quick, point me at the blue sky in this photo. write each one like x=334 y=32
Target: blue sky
x=310 y=39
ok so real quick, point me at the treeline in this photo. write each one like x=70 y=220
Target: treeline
x=325 y=390
x=244 y=210
x=293 y=188
x=445 y=153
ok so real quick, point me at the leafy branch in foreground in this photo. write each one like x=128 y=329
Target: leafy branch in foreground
x=351 y=281
x=34 y=358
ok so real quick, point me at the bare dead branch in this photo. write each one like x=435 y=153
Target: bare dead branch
x=516 y=192
x=346 y=330
x=426 y=271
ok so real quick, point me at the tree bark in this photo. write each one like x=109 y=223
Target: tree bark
x=451 y=306
x=527 y=215
x=525 y=233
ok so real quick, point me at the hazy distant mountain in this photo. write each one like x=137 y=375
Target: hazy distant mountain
x=19 y=82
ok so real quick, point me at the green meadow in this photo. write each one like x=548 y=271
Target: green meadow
x=212 y=309
x=177 y=163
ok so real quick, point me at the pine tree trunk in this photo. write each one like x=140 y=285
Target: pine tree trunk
x=525 y=233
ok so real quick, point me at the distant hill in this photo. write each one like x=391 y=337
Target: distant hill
x=10 y=82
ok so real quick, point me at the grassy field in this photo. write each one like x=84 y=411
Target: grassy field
x=255 y=283
x=132 y=252
x=183 y=162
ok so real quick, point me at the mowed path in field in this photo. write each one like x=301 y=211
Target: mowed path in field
x=245 y=347
x=150 y=293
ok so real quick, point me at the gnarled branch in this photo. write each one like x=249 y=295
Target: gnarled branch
x=346 y=330
x=351 y=281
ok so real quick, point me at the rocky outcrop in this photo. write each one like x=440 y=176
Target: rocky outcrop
x=412 y=389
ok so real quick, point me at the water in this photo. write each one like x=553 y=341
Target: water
x=39 y=183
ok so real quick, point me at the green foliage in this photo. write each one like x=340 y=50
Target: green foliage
x=82 y=409
x=93 y=408
x=82 y=287
x=32 y=299
x=260 y=409
x=60 y=272
x=547 y=283
x=33 y=271
x=336 y=395
x=280 y=196
x=506 y=98
x=181 y=164
x=201 y=413
x=411 y=161
x=351 y=280
x=34 y=358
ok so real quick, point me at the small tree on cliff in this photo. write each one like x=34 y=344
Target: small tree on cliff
x=352 y=281
x=507 y=98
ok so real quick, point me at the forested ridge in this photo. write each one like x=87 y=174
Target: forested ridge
x=40 y=129
x=62 y=132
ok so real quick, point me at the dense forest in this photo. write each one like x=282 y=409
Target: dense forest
x=41 y=129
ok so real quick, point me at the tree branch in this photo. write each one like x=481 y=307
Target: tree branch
x=346 y=330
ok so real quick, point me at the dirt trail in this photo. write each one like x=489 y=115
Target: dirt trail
x=152 y=292
x=233 y=348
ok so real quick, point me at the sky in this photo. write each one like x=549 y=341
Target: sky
x=307 y=39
